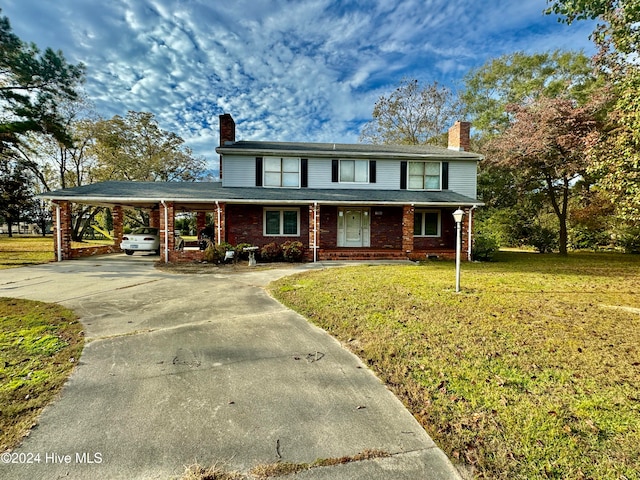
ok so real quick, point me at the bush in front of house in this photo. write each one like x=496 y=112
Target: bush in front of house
x=292 y=251
x=484 y=247
x=240 y=253
x=271 y=252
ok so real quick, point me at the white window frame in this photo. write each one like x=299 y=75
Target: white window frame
x=424 y=176
x=422 y=212
x=281 y=229
x=280 y=172
x=366 y=162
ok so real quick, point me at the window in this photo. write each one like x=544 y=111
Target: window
x=426 y=223
x=281 y=172
x=424 y=176
x=356 y=171
x=281 y=222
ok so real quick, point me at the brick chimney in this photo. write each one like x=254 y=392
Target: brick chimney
x=459 y=137
x=227 y=129
x=227 y=133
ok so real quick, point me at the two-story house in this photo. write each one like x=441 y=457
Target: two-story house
x=342 y=201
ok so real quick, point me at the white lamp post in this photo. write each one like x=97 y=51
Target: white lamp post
x=457 y=216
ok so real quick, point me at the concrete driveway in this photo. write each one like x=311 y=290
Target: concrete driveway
x=209 y=369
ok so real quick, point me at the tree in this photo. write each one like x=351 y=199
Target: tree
x=518 y=79
x=136 y=148
x=616 y=157
x=547 y=143
x=32 y=84
x=411 y=115
x=16 y=195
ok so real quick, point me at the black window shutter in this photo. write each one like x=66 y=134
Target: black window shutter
x=403 y=175
x=304 y=172
x=258 y=171
x=334 y=171
x=372 y=171
x=445 y=175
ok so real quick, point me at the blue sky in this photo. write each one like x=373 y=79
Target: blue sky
x=308 y=70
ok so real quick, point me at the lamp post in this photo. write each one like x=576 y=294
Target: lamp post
x=457 y=216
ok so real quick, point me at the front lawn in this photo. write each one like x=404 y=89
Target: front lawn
x=39 y=345
x=18 y=251
x=531 y=372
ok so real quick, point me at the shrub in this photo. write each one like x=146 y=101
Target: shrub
x=293 y=251
x=271 y=252
x=630 y=240
x=240 y=253
x=485 y=246
x=216 y=253
x=543 y=239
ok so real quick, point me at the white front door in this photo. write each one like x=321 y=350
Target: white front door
x=353 y=227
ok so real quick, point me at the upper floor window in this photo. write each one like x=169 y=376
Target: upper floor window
x=424 y=176
x=281 y=172
x=354 y=171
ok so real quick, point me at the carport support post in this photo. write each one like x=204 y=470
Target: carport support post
x=118 y=225
x=167 y=226
x=221 y=222
x=62 y=237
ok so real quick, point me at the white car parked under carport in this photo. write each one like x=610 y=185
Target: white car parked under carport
x=145 y=239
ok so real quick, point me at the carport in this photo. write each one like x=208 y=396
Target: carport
x=161 y=200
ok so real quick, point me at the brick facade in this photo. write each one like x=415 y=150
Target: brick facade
x=408 y=213
x=245 y=225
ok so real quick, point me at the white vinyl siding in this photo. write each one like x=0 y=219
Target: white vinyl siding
x=463 y=178
x=238 y=171
x=387 y=176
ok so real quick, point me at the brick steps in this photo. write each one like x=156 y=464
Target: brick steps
x=361 y=254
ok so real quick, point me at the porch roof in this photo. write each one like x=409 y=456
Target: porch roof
x=197 y=194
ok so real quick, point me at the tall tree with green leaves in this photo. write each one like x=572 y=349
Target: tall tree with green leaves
x=520 y=78
x=412 y=115
x=616 y=158
x=547 y=143
x=32 y=85
x=16 y=194
x=134 y=147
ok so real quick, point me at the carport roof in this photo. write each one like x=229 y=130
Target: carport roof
x=197 y=194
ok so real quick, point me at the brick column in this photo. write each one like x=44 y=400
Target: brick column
x=117 y=214
x=169 y=227
x=201 y=221
x=154 y=217
x=65 y=229
x=221 y=223
x=314 y=230
x=407 y=228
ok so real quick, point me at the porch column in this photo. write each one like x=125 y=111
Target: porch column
x=407 y=228
x=117 y=214
x=314 y=231
x=62 y=230
x=167 y=227
x=221 y=223
x=201 y=221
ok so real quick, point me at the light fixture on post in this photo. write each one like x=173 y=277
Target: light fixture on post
x=457 y=217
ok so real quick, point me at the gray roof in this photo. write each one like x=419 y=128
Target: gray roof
x=148 y=194
x=341 y=150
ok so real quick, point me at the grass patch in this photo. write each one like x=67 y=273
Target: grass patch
x=527 y=374
x=19 y=251
x=39 y=345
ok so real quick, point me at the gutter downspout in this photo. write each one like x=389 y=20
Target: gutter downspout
x=315 y=232
x=473 y=207
x=166 y=232
x=58 y=233
x=218 y=222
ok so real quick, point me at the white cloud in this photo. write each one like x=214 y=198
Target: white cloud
x=308 y=70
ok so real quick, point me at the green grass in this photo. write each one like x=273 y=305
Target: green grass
x=20 y=250
x=39 y=345
x=531 y=372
